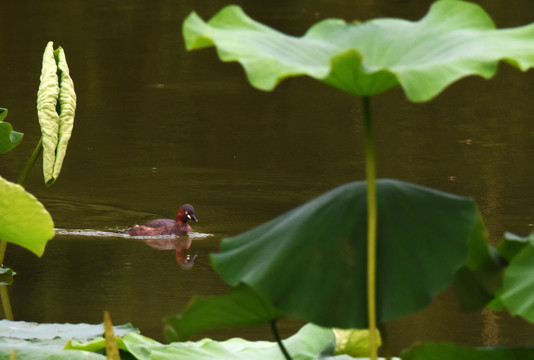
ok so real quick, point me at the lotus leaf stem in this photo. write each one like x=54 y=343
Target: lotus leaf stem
x=8 y=313
x=31 y=161
x=279 y=340
x=370 y=175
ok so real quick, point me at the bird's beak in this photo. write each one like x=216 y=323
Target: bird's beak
x=192 y=217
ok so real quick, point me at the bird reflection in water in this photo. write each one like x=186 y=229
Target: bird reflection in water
x=180 y=244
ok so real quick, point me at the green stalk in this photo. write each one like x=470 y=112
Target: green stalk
x=279 y=340
x=4 y=296
x=370 y=176
x=31 y=162
x=5 y=303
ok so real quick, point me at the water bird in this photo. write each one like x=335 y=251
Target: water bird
x=156 y=227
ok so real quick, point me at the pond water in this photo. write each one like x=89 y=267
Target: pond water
x=157 y=127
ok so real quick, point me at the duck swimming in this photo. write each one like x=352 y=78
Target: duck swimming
x=185 y=213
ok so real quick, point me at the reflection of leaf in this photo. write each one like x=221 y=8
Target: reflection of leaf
x=311 y=262
x=240 y=308
x=454 y=352
x=365 y=59
x=8 y=138
x=23 y=219
x=56 y=104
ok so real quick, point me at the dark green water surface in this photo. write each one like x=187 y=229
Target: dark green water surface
x=157 y=127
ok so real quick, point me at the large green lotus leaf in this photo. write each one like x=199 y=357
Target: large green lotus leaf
x=56 y=105
x=239 y=308
x=311 y=262
x=454 y=352
x=311 y=342
x=368 y=58
x=8 y=138
x=23 y=219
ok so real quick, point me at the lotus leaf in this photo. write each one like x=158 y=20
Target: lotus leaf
x=353 y=342
x=46 y=110
x=67 y=106
x=311 y=342
x=311 y=262
x=33 y=341
x=516 y=294
x=512 y=244
x=368 y=58
x=56 y=104
x=8 y=138
x=32 y=331
x=241 y=307
x=23 y=219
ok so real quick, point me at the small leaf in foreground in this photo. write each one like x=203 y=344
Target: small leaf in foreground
x=23 y=219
